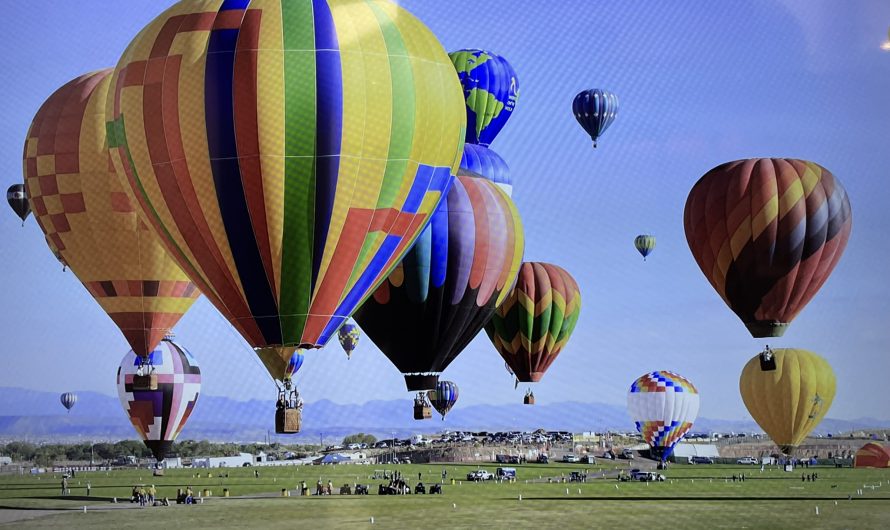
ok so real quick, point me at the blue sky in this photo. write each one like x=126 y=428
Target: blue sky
x=700 y=83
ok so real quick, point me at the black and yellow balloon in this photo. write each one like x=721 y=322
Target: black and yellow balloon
x=788 y=402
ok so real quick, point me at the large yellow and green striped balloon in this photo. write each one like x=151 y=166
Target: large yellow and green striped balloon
x=536 y=320
x=288 y=152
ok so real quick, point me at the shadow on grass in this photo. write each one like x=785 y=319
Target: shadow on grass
x=707 y=499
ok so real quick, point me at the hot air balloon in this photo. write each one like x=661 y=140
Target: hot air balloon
x=443 y=397
x=440 y=296
x=288 y=153
x=535 y=321
x=18 y=201
x=90 y=224
x=158 y=415
x=278 y=369
x=491 y=89
x=644 y=244
x=348 y=336
x=767 y=232
x=789 y=400
x=663 y=405
x=68 y=399
x=595 y=110
x=483 y=162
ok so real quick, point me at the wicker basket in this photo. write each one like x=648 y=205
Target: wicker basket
x=529 y=400
x=422 y=412
x=145 y=382
x=288 y=421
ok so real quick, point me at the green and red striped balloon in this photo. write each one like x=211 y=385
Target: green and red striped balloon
x=535 y=322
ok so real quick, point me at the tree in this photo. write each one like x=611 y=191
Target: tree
x=360 y=438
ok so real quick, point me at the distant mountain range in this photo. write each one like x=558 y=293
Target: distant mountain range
x=38 y=416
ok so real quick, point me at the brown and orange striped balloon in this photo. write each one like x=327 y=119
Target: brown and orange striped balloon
x=767 y=232
x=89 y=222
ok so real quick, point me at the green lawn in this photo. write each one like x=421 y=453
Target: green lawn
x=699 y=496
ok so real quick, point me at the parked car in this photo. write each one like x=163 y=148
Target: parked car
x=702 y=460
x=570 y=459
x=478 y=475
x=543 y=459
x=609 y=455
x=627 y=454
x=747 y=460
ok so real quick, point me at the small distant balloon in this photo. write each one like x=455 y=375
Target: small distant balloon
x=18 y=201
x=595 y=110
x=68 y=399
x=644 y=244
x=349 y=335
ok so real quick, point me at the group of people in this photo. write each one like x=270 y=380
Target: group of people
x=809 y=478
x=144 y=495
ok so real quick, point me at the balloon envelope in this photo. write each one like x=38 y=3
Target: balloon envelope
x=483 y=162
x=18 y=201
x=595 y=110
x=159 y=415
x=443 y=397
x=349 y=335
x=287 y=152
x=68 y=399
x=663 y=406
x=644 y=244
x=767 y=232
x=491 y=89
x=536 y=320
x=90 y=224
x=440 y=296
x=790 y=401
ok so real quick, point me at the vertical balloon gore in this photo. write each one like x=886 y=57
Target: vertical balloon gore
x=766 y=233
x=479 y=161
x=287 y=152
x=440 y=296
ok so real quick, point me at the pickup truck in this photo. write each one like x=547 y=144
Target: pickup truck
x=570 y=459
x=747 y=460
x=478 y=475
x=646 y=476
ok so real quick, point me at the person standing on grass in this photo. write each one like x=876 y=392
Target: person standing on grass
x=151 y=494
x=64 y=484
x=89 y=487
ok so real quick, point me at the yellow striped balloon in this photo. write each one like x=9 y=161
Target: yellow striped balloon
x=288 y=152
x=790 y=401
x=89 y=222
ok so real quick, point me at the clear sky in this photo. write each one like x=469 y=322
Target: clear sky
x=700 y=83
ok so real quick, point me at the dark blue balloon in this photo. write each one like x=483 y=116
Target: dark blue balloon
x=595 y=110
x=487 y=164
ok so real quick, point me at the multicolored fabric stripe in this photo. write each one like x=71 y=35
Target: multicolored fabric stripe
x=534 y=323
x=89 y=222
x=872 y=454
x=767 y=233
x=663 y=406
x=461 y=268
x=159 y=415
x=288 y=152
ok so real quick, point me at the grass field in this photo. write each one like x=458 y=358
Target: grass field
x=701 y=496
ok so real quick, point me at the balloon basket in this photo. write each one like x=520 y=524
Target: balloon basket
x=422 y=412
x=145 y=382
x=158 y=473
x=528 y=400
x=288 y=421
